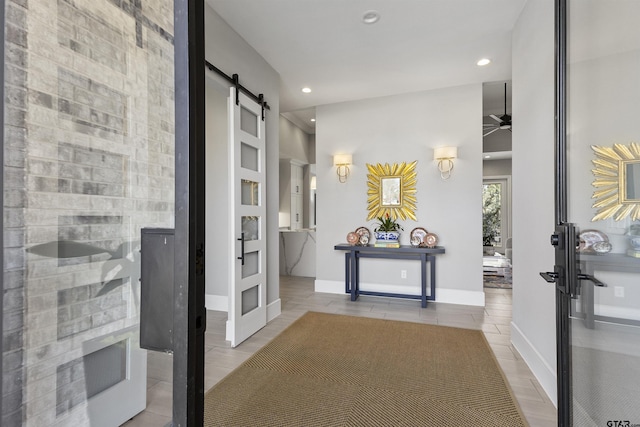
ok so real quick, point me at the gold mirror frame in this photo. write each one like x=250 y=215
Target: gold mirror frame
x=403 y=203
x=610 y=173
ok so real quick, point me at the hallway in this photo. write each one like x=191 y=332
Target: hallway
x=298 y=297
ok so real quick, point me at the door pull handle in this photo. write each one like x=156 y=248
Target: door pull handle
x=592 y=279
x=241 y=239
x=549 y=276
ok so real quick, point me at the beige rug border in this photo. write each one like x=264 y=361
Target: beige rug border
x=504 y=376
x=495 y=359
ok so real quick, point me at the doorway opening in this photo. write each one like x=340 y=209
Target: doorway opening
x=496 y=234
x=496 y=189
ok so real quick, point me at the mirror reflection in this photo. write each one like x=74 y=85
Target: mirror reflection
x=632 y=181
x=617 y=182
x=390 y=191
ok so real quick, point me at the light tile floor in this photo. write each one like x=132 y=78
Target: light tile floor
x=298 y=297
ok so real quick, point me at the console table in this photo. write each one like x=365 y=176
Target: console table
x=352 y=267
x=589 y=264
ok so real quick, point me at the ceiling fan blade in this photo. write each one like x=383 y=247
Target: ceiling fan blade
x=490 y=132
x=490 y=124
x=496 y=118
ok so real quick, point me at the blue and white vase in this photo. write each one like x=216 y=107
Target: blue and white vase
x=387 y=236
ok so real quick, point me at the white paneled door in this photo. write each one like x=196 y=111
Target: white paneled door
x=247 y=283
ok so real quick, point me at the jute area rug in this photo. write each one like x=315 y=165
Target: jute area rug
x=335 y=370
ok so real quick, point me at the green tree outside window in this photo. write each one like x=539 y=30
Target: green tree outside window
x=491 y=214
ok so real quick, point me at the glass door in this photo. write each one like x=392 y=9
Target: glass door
x=597 y=237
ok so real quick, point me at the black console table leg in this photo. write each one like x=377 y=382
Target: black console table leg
x=423 y=279
x=353 y=274
x=432 y=282
x=347 y=274
x=356 y=266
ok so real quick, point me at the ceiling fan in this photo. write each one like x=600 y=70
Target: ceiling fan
x=503 y=122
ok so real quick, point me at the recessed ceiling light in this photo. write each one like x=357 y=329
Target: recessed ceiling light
x=306 y=89
x=371 y=17
x=313 y=120
x=483 y=62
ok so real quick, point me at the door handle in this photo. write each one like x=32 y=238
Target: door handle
x=552 y=276
x=241 y=239
x=592 y=279
x=549 y=276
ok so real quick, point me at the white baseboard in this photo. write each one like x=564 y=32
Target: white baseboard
x=274 y=310
x=216 y=302
x=544 y=373
x=221 y=303
x=457 y=296
x=450 y=296
x=329 y=286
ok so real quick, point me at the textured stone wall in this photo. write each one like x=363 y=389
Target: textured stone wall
x=89 y=161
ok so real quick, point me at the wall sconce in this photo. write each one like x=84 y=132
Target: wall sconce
x=445 y=156
x=342 y=162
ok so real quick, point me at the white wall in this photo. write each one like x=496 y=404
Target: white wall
x=405 y=128
x=533 y=326
x=217 y=176
x=229 y=52
x=496 y=167
x=294 y=142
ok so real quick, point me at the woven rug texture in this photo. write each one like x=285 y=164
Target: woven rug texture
x=336 y=370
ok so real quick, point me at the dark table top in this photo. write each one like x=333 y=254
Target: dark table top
x=401 y=249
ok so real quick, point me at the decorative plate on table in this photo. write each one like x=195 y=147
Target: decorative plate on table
x=417 y=236
x=352 y=238
x=593 y=241
x=364 y=235
x=430 y=240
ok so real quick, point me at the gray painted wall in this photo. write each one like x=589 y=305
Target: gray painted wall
x=496 y=167
x=217 y=187
x=533 y=327
x=294 y=145
x=225 y=49
x=405 y=128
x=294 y=142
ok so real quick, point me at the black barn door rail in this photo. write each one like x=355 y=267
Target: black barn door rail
x=235 y=80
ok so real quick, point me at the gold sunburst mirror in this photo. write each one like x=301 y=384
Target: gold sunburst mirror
x=617 y=181
x=392 y=190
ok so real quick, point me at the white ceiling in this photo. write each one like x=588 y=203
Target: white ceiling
x=416 y=45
